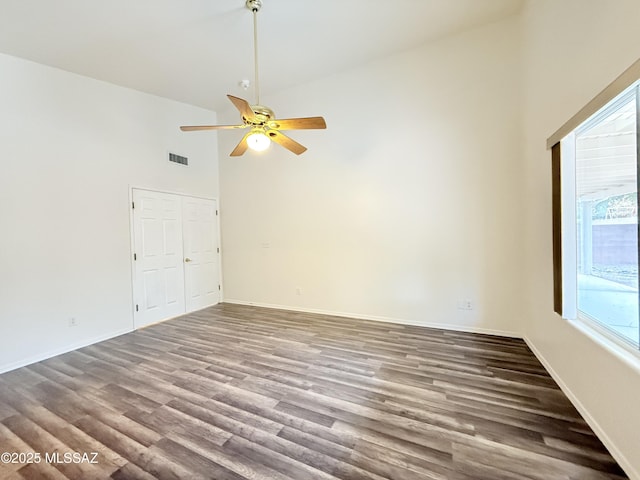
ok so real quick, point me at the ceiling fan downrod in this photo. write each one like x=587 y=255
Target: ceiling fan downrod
x=255 y=6
x=260 y=120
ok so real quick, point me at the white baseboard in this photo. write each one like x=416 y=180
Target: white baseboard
x=360 y=316
x=631 y=472
x=595 y=426
x=629 y=469
x=83 y=343
x=59 y=351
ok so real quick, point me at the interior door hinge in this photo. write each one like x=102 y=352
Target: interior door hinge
x=136 y=307
x=133 y=205
x=216 y=212
x=218 y=287
x=218 y=249
x=135 y=257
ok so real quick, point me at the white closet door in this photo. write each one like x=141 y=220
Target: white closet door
x=201 y=267
x=159 y=273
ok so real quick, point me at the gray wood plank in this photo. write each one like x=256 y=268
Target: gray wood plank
x=240 y=392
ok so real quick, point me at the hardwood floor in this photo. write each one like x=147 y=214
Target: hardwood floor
x=236 y=392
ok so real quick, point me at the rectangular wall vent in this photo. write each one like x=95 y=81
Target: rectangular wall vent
x=175 y=158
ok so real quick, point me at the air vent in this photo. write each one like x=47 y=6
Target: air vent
x=175 y=158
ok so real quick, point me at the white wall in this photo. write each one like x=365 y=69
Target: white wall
x=426 y=189
x=405 y=205
x=573 y=49
x=71 y=149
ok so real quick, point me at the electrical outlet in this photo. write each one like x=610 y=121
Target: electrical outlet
x=73 y=322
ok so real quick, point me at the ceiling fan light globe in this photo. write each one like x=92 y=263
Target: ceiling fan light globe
x=258 y=141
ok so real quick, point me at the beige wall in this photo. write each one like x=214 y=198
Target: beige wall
x=405 y=205
x=573 y=49
x=432 y=185
x=72 y=147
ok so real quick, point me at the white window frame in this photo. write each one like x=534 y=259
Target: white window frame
x=592 y=327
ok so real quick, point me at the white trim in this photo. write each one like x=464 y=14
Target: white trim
x=568 y=218
x=132 y=265
x=172 y=192
x=377 y=318
x=59 y=351
x=84 y=343
x=622 y=460
x=626 y=79
x=219 y=220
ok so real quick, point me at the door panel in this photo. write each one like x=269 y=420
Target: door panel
x=200 y=234
x=159 y=275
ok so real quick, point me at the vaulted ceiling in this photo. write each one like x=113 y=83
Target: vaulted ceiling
x=196 y=51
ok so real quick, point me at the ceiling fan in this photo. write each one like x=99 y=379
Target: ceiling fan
x=260 y=120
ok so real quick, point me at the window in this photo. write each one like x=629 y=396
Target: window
x=596 y=219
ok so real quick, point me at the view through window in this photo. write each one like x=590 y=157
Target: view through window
x=606 y=201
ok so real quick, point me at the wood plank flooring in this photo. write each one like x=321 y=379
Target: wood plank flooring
x=235 y=392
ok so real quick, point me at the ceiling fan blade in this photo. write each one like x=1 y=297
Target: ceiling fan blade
x=298 y=123
x=241 y=147
x=192 y=128
x=243 y=107
x=286 y=142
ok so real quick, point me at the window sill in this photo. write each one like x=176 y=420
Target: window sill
x=622 y=349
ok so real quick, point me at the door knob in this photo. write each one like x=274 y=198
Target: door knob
x=187 y=260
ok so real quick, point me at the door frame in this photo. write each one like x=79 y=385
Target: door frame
x=132 y=242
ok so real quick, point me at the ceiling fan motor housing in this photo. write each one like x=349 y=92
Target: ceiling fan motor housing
x=262 y=115
x=260 y=119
